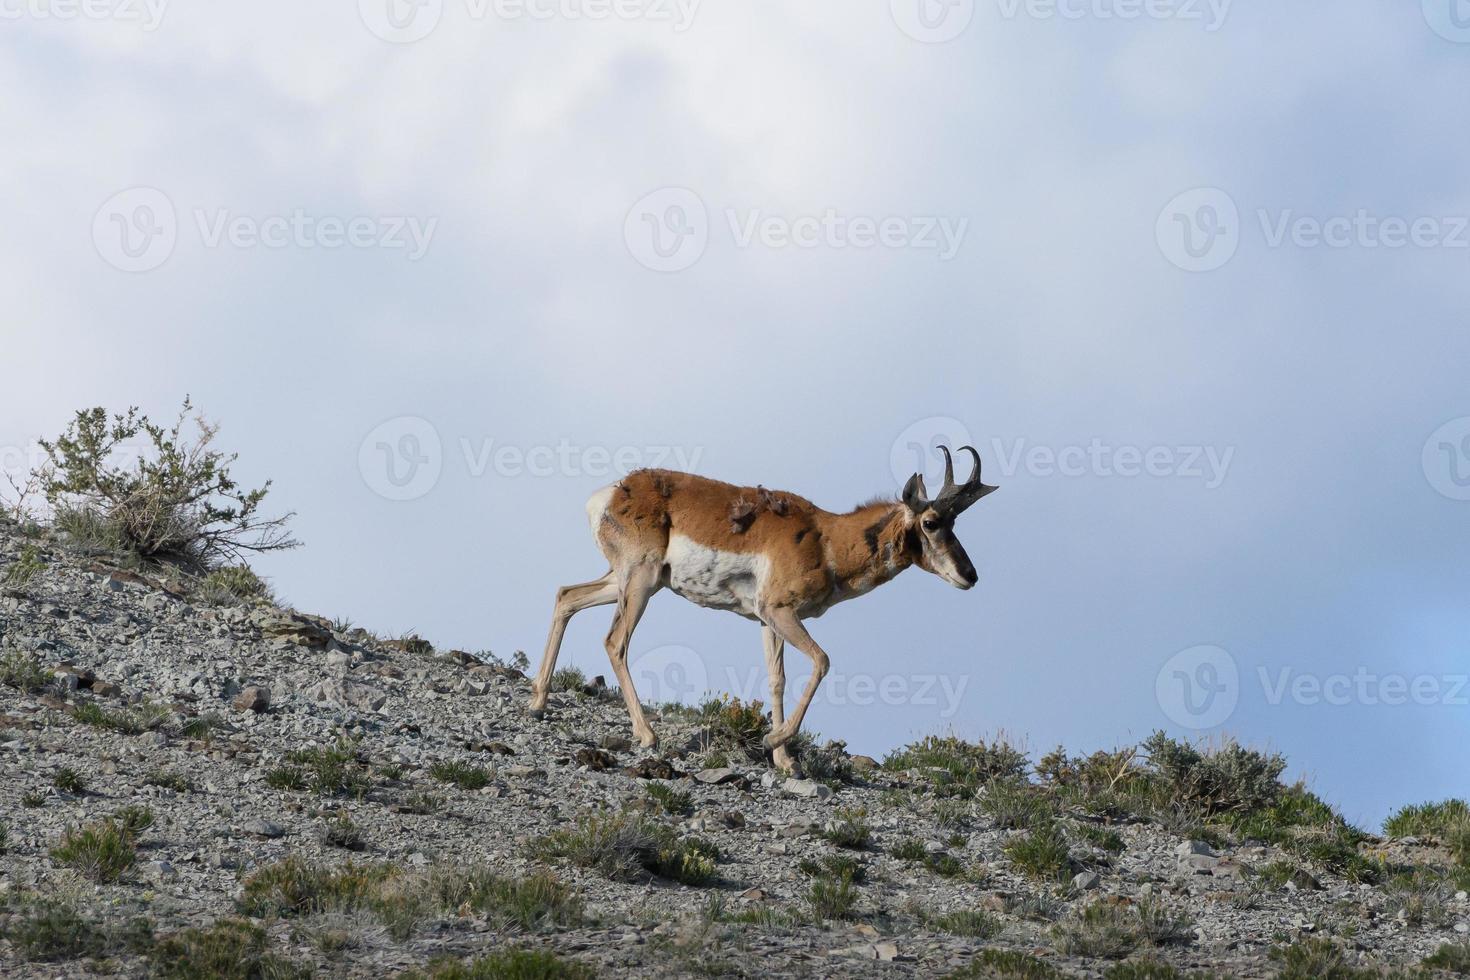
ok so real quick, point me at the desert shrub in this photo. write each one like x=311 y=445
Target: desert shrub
x=231 y=586
x=176 y=502
x=68 y=780
x=909 y=849
x=528 y=904
x=506 y=964
x=957 y=767
x=228 y=950
x=167 y=779
x=461 y=774
x=1448 y=821
x=1318 y=959
x=626 y=845
x=4 y=837
x=1103 y=838
x=49 y=931
x=834 y=866
x=1453 y=957
x=335 y=771
x=1041 y=852
x=568 y=680
x=831 y=897
x=1230 y=779
x=342 y=832
x=850 y=828
x=23 y=671
x=124 y=721
x=1110 y=930
x=19 y=573
x=671 y=801
x=1005 y=964
x=827 y=762
x=733 y=725
x=101 y=851
x=1015 y=805
x=971 y=923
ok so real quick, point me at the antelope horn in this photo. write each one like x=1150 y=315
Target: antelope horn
x=954 y=497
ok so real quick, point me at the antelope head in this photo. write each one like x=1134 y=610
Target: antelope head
x=939 y=551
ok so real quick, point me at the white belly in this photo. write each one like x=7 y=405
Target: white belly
x=718 y=579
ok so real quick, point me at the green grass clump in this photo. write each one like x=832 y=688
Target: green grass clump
x=230 y=949
x=1319 y=958
x=167 y=779
x=337 y=771
x=1016 y=805
x=105 y=850
x=232 y=586
x=1041 y=852
x=342 y=832
x=849 y=829
x=23 y=671
x=69 y=780
x=508 y=964
x=735 y=726
x=1107 y=930
x=627 y=845
x=401 y=900
x=834 y=866
x=831 y=897
x=674 y=802
x=1427 y=819
x=49 y=931
x=957 y=767
x=1005 y=964
x=971 y=923
x=1454 y=957
x=461 y=774
x=568 y=680
x=126 y=721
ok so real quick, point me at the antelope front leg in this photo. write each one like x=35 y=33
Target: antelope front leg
x=788 y=627
x=776 y=668
x=642 y=582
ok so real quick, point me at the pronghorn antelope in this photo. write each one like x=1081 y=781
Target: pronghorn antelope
x=772 y=557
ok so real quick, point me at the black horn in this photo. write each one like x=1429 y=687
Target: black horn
x=954 y=498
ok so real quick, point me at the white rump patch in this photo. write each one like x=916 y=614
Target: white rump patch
x=597 y=506
x=717 y=579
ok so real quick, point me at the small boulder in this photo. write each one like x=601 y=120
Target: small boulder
x=257 y=699
x=806 y=789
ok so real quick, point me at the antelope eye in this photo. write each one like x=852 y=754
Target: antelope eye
x=931 y=524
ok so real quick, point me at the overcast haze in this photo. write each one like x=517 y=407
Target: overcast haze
x=1193 y=280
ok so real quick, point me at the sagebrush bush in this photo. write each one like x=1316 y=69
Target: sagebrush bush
x=232 y=585
x=959 y=767
x=506 y=964
x=23 y=671
x=230 y=949
x=627 y=845
x=1228 y=779
x=175 y=501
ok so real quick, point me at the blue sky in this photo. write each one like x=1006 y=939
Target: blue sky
x=1192 y=277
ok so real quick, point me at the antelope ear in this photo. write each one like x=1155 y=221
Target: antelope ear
x=915 y=494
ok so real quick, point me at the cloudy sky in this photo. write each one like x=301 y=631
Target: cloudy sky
x=1192 y=275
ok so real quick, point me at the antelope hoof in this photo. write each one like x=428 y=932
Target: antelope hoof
x=648 y=739
x=536 y=711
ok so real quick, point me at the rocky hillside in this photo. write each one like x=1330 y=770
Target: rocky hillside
x=196 y=786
